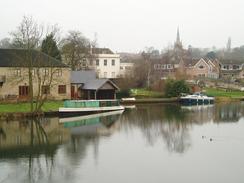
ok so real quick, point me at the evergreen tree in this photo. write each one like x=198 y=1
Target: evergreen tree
x=49 y=46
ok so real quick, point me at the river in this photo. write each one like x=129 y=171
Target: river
x=150 y=143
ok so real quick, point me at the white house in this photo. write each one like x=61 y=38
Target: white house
x=105 y=62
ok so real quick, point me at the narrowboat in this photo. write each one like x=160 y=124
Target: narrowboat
x=84 y=107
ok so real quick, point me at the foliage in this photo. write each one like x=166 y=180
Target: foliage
x=173 y=88
x=123 y=94
x=49 y=46
x=211 y=55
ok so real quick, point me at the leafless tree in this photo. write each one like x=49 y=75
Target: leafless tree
x=77 y=50
x=28 y=37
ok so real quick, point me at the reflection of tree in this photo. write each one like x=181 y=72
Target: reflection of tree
x=228 y=113
x=36 y=144
x=155 y=121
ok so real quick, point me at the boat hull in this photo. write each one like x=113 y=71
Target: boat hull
x=69 y=112
x=196 y=101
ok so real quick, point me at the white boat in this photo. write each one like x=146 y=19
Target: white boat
x=78 y=107
x=196 y=98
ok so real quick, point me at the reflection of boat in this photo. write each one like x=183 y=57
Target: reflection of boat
x=91 y=124
x=129 y=106
x=196 y=98
x=77 y=107
x=197 y=107
x=128 y=99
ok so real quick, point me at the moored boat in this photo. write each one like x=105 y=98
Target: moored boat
x=196 y=99
x=79 y=107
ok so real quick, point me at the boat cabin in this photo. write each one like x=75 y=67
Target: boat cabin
x=85 y=85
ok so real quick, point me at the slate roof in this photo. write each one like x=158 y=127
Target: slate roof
x=230 y=61
x=78 y=77
x=96 y=84
x=88 y=80
x=16 y=58
x=101 y=51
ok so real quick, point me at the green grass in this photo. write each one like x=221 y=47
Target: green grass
x=223 y=93
x=25 y=107
x=144 y=93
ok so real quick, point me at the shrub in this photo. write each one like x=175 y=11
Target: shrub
x=173 y=88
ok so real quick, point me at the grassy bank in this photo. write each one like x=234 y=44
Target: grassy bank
x=25 y=107
x=145 y=93
x=224 y=95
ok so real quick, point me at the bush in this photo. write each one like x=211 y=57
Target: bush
x=123 y=94
x=173 y=88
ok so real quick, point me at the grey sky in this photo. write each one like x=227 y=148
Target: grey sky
x=131 y=25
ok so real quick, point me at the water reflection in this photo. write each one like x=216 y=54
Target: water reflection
x=51 y=149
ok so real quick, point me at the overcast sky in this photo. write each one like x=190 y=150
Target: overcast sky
x=131 y=25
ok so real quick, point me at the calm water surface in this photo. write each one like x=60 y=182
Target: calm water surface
x=152 y=143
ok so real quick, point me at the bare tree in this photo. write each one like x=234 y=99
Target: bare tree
x=5 y=43
x=77 y=50
x=28 y=37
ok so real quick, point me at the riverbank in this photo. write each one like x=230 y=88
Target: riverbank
x=223 y=95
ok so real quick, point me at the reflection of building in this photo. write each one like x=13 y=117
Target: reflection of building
x=94 y=124
x=24 y=137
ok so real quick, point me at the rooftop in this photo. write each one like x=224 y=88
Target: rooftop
x=18 y=58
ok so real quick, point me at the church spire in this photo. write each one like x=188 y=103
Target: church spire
x=178 y=35
x=178 y=41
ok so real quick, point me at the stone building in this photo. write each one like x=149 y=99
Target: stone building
x=50 y=77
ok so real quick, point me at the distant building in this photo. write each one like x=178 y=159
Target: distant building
x=85 y=85
x=203 y=68
x=232 y=69
x=14 y=80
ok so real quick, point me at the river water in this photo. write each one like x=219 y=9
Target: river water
x=150 y=143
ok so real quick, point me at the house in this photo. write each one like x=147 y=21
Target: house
x=50 y=77
x=232 y=69
x=103 y=61
x=85 y=85
x=202 y=68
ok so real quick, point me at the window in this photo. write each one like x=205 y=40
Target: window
x=45 y=89
x=201 y=67
x=105 y=62
x=105 y=74
x=163 y=66
x=33 y=72
x=121 y=67
x=17 y=72
x=113 y=74
x=59 y=72
x=113 y=62
x=97 y=62
x=61 y=89
x=23 y=90
x=45 y=72
x=169 y=66
x=91 y=62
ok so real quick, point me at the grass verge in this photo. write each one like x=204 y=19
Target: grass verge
x=25 y=107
